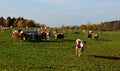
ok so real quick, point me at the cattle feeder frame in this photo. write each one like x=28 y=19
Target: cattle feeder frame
x=31 y=35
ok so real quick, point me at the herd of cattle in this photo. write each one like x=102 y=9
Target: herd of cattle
x=36 y=35
x=39 y=35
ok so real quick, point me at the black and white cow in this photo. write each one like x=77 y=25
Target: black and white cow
x=59 y=36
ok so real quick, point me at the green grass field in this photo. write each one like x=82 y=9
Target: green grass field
x=98 y=55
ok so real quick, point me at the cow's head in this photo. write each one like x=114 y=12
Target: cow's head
x=79 y=43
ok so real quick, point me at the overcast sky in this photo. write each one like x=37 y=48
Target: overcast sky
x=55 y=13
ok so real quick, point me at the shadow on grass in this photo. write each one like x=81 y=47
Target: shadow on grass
x=60 y=40
x=108 y=40
x=107 y=57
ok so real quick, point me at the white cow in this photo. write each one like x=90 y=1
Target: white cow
x=79 y=47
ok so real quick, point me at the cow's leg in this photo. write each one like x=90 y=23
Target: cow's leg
x=21 y=39
x=14 y=39
x=79 y=52
x=24 y=38
x=48 y=37
x=76 y=50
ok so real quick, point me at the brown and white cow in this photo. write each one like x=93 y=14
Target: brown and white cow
x=18 y=34
x=79 y=46
x=48 y=33
x=96 y=36
x=44 y=34
x=90 y=34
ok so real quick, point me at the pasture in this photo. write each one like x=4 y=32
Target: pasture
x=53 y=55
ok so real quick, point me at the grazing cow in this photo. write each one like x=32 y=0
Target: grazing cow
x=48 y=35
x=96 y=36
x=79 y=47
x=17 y=34
x=59 y=36
x=90 y=34
x=55 y=31
x=43 y=35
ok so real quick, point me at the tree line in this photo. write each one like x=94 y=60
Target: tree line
x=105 y=26
x=112 y=25
x=19 y=22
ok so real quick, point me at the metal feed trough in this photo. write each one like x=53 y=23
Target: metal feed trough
x=31 y=35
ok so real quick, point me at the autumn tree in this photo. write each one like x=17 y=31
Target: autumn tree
x=83 y=27
x=20 y=24
x=65 y=27
x=29 y=23
x=1 y=21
